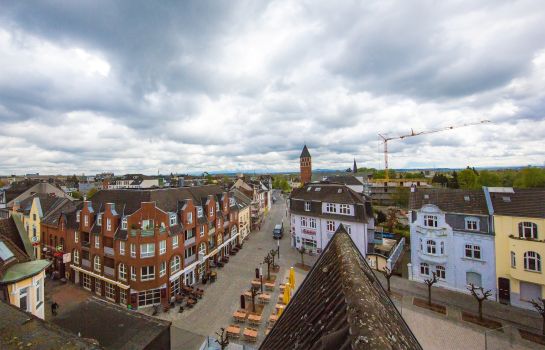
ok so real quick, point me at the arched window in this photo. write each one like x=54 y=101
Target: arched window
x=122 y=272
x=440 y=271
x=424 y=269
x=97 y=263
x=527 y=230
x=532 y=261
x=76 y=256
x=175 y=264
x=430 y=247
x=202 y=249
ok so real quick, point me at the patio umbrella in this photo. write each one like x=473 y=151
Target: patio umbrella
x=286 y=296
x=292 y=277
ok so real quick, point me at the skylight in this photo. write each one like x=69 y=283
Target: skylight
x=340 y=190
x=309 y=189
x=317 y=189
x=506 y=199
x=466 y=198
x=5 y=253
x=426 y=196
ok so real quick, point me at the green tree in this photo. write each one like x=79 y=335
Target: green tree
x=530 y=178
x=467 y=179
x=440 y=179
x=76 y=195
x=92 y=192
x=453 y=182
x=489 y=178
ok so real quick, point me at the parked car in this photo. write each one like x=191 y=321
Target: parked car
x=278 y=231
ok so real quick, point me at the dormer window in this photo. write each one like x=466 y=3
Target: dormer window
x=211 y=211
x=99 y=219
x=231 y=201
x=78 y=214
x=472 y=224
x=430 y=220
x=108 y=224
x=466 y=198
x=124 y=223
x=307 y=206
x=309 y=189
x=199 y=212
x=344 y=209
x=86 y=220
x=317 y=189
x=172 y=219
x=330 y=208
x=189 y=218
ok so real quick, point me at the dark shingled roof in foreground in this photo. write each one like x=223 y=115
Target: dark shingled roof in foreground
x=450 y=200
x=340 y=305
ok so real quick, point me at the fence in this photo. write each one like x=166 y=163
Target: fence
x=390 y=263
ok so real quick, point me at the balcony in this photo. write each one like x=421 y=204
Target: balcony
x=432 y=258
x=109 y=271
x=189 y=241
x=190 y=260
x=147 y=233
x=86 y=263
x=431 y=231
x=109 y=251
x=525 y=239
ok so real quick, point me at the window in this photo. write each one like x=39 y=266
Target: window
x=217 y=206
x=201 y=233
x=147 y=250
x=189 y=252
x=344 y=209
x=424 y=269
x=303 y=221
x=211 y=211
x=163 y=269
x=330 y=225
x=312 y=222
x=76 y=257
x=33 y=217
x=122 y=272
x=122 y=296
x=421 y=245
x=309 y=244
x=430 y=220
x=330 y=208
x=124 y=223
x=174 y=242
x=199 y=212
x=442 y=248
x=307 y=206
x=78 y=214
x=97 y=263
x=430 y=247
x=99 y=219
x=472 y=224
x=513 y=260
x=76 y=237
x=109 y=291
x=202 y=249
x=162 y=247
x=149 y=297
x=133 y=273
x=133 y=250
x=172 y=219
x=147 y=273
x=532 y=261
x=175 y=264
x=23 y=301
x=108 y=224
x=39 y=292
x=86 y=220
x=218 y=222
x=188 y=234
x=86 y=281
x=528 y=230
x=348 y=228
x=97 y=242
x=189 y=218
x=440 y=271
x=147 y=224
x=473 y=251
x=121 y=248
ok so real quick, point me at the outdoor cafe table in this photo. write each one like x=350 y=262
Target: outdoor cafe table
x=279 y=306
x=282 y=286
x=256 y=283
x=254 y=319
x=269 y=286
x=248 y=294
x=239 y=315
x=273 y=319
x=233 y=331
x=265 y=297
x=250 y=334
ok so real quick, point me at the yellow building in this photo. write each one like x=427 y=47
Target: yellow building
x=21 y=279
x=519 y=224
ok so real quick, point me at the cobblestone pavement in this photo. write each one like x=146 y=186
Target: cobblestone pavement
x=222 y=298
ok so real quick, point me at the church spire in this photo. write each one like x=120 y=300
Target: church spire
x=355 y=167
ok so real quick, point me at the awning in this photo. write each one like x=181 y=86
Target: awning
x=120 y=285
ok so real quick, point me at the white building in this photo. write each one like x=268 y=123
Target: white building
x=317 y=210
x=452 y=235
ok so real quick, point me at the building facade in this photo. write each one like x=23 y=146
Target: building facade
x=305 y=165
x=317 y=210
x=519 y=220
x=452 y=235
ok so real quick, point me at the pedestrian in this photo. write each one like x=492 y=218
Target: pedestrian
x=54 y=308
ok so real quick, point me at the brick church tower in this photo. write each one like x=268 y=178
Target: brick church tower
x=305 y=161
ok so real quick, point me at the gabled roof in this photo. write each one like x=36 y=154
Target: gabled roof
x=305 y=153
x=340 y=305
x=349 y=180
x=528 y=202
x=328 y=192
x=450 y=200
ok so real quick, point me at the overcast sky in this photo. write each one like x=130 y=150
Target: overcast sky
x=129 y=86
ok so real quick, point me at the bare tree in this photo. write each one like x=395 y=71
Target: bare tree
x=254 y=291
x=480 y=295
x=539 y=305
x=302 y=251
x=388 y=274
x=268 y=260
x=273 y=252
x=223 y=340
x=430 y=282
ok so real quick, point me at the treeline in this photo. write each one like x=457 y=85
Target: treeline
x=470 y=178
x=381 y=174
x=281 y=183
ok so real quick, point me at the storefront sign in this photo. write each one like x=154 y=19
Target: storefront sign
x=309 y=232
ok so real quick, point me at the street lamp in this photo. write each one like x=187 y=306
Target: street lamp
x=261 y=276
x=278 y=249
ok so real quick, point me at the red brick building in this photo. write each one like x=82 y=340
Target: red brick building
x=137 y=247
x=305 y=161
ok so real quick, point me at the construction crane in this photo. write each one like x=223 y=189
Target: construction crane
x=412 y=134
